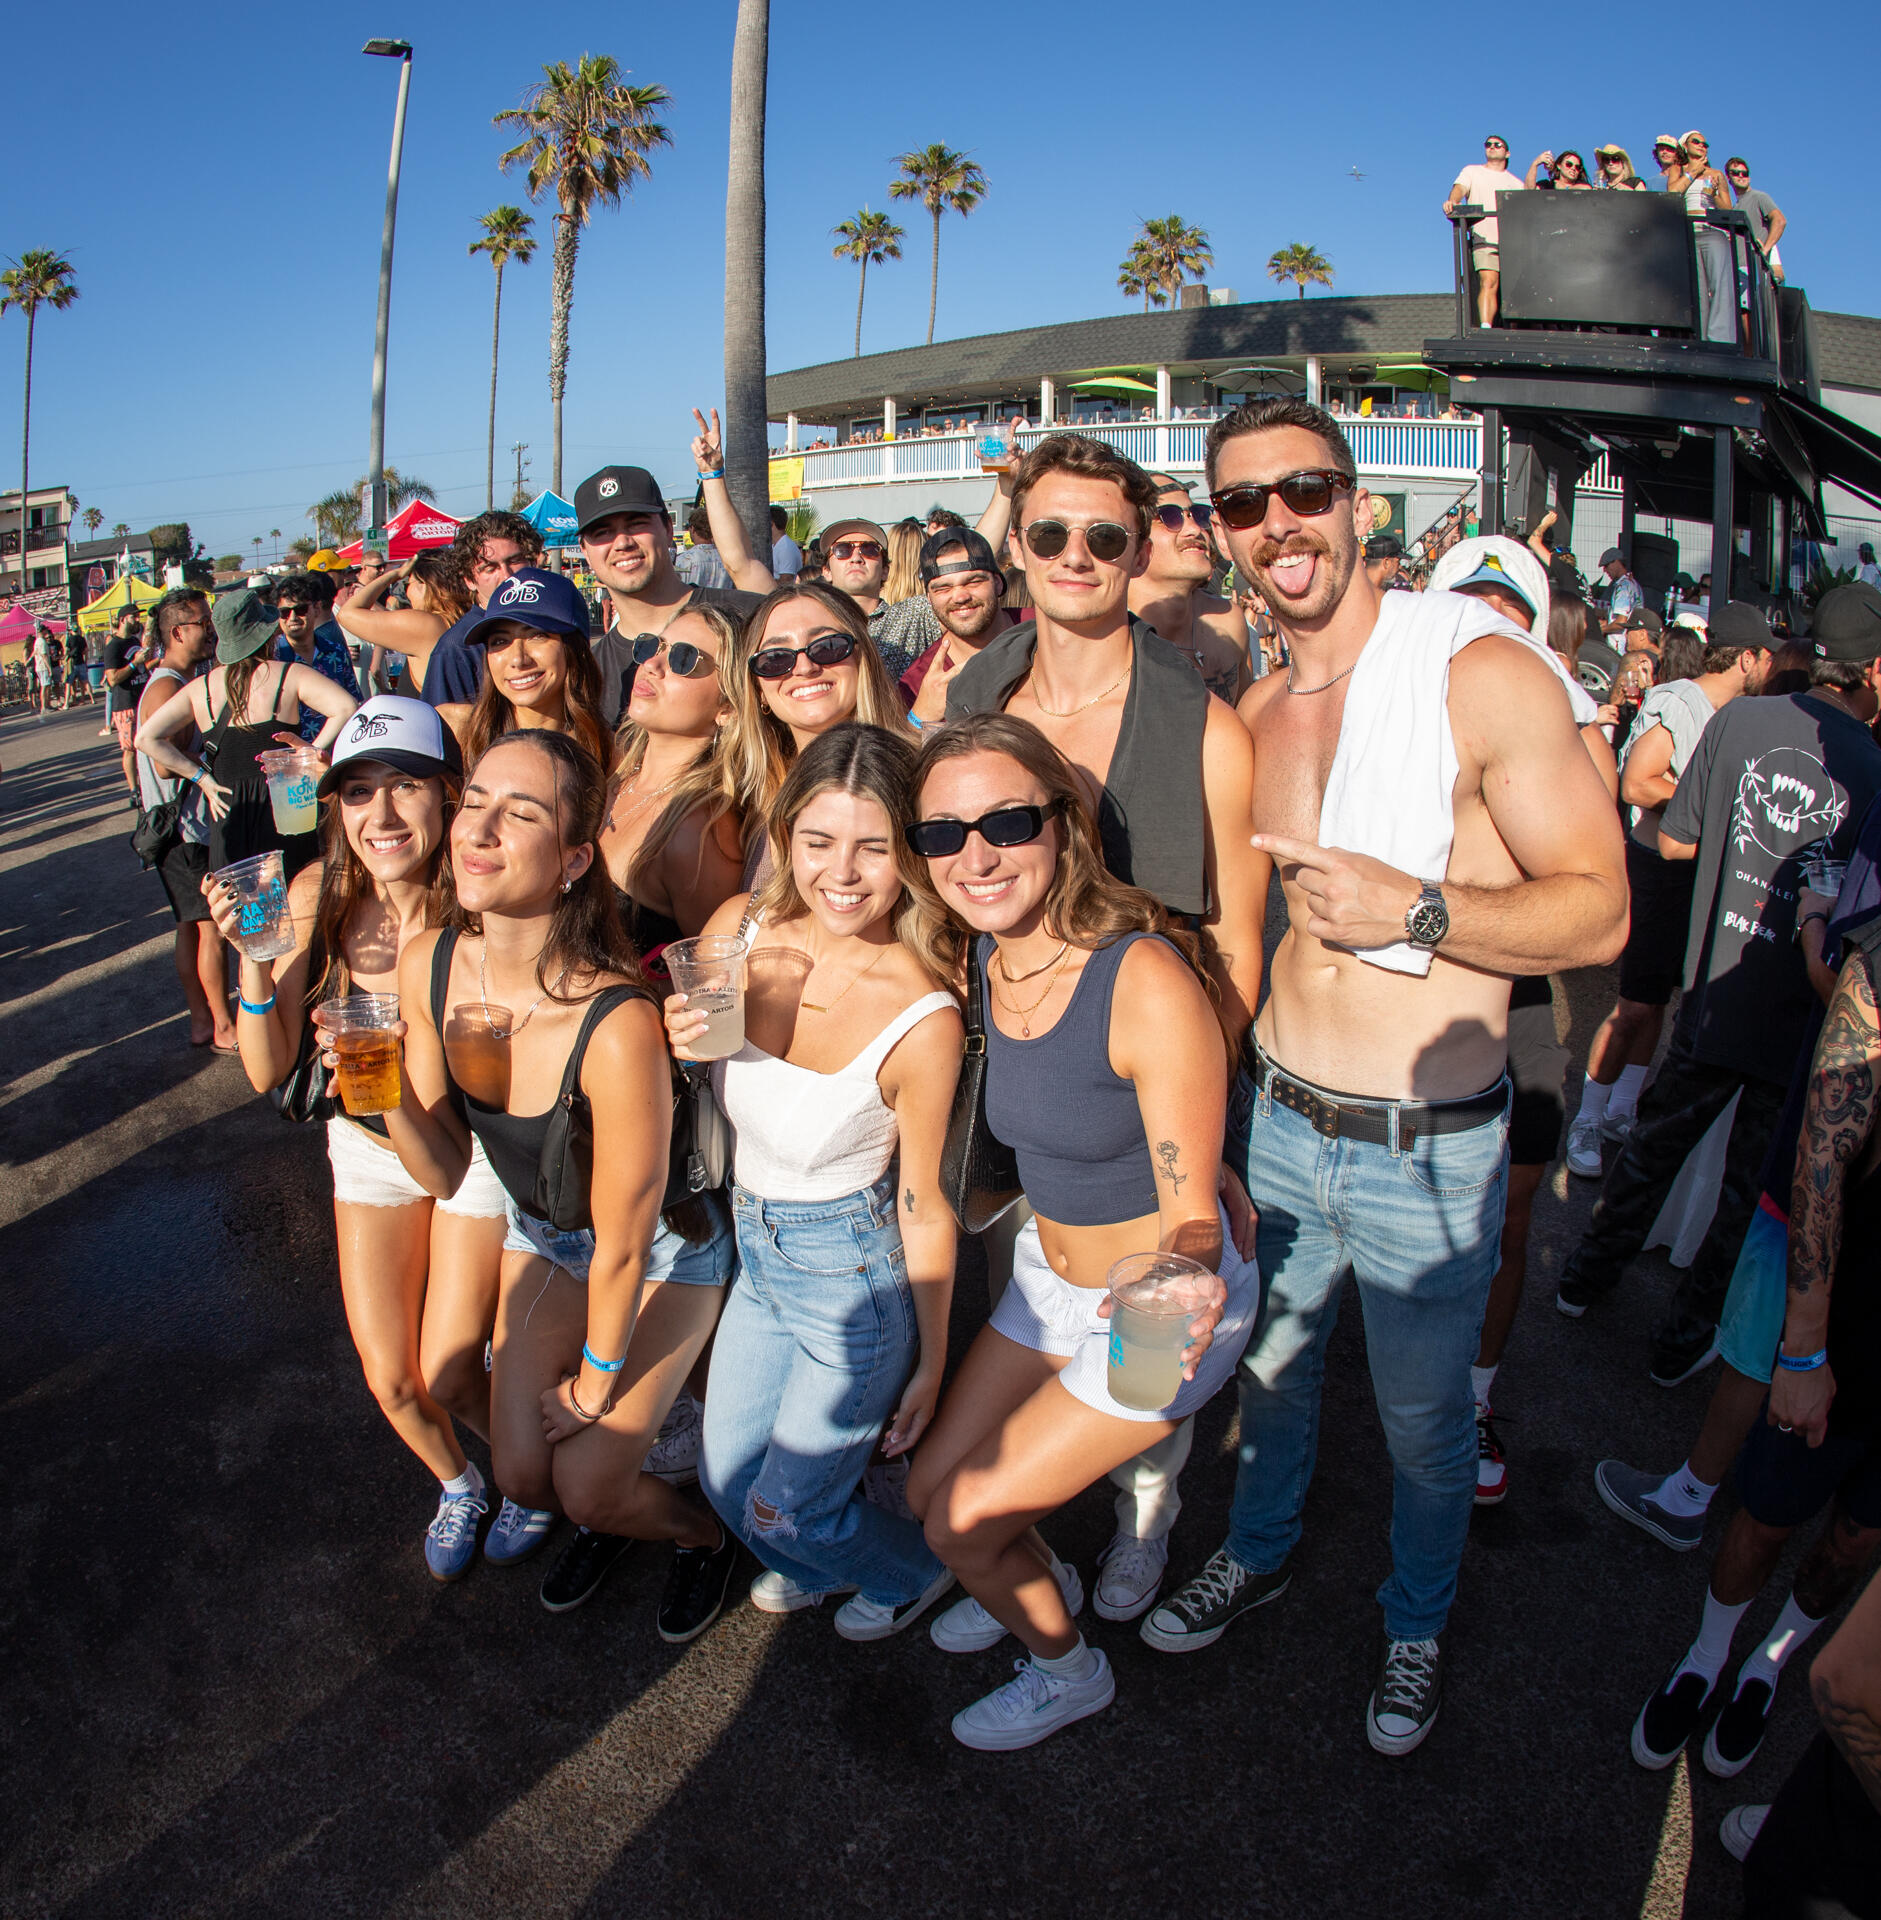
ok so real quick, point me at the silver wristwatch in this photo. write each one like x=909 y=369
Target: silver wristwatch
x=1428 y=920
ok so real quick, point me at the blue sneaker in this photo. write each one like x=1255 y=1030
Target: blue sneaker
x=451 y=1538
x=516 y=1533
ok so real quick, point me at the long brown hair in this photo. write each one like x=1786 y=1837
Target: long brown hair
x=493 y=716
x=444 y=585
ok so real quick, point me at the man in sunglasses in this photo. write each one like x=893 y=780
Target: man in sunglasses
x=1440 y=829
x=1767 y=222
x=964 y=587
x=1483 y=185
x=1170 y=594
x=302 y=604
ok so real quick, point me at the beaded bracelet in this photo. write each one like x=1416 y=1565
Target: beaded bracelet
x=1805 y=1363
x=248 y=1006
x=601 y=1366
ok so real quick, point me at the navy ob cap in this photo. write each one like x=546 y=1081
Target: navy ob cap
x=532 y=597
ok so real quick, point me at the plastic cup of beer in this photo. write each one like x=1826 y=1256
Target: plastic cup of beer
x=476 y=1048
x=356 y=1029
x=1153 y=1298
x=997 y=454
x=710 y=972
x=265 y=930
x=293 y=775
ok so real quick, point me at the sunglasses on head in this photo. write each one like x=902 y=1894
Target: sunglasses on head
x=682 y=657
x=1172 y=515
x=1003 y=827
x=856 y=550
x=826 y=650
x=1103 y=540
x=1310 y=491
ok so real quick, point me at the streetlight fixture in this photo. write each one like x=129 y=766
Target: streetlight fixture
x=399 y=50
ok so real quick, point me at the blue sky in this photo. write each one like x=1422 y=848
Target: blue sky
x=219 y=189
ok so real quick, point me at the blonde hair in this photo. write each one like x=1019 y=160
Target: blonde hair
x=904 y=562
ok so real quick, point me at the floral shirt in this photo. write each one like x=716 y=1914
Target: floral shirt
x=903 y=631
x=332 y=658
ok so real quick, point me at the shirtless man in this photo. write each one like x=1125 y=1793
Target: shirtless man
x=1379 y=1130
x=1169 y=594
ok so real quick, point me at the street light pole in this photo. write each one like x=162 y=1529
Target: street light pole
x=399 y=50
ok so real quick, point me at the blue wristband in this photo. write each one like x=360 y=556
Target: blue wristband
x=248 y=1006
x=917 y=725
x=601 y=1366
x=1806 y=1363
x=717 y=473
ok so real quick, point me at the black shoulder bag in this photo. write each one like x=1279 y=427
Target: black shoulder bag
x=157 y=830
x=565 y=1173
x=979 y=1173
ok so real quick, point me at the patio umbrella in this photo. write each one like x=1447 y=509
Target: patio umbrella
x=1113 y=383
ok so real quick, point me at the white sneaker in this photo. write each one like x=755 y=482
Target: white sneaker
x=1616 y=1126
x=1132 y=1578
x=1739 y=1828
x=773 y=1592
x=1583 y=1154
x=966 y=1626
x=674 y=1454
x=863 y=1619
x=1033 y=1705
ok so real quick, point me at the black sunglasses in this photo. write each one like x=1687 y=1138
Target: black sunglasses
x=1004 y=827
x=1172 y=516
x=1103 y=539
x=856 y=550
x=284 y=607
x=1310 y=491
x=779 y=663
x=682 y=657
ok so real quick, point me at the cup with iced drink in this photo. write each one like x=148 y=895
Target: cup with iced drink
x=357 y=1030
x=476 y=1048
x=1823 y=873
x=293 y=775
x=265 y=930
x=710 y=972
x=1153 y=1297
x=997 y=452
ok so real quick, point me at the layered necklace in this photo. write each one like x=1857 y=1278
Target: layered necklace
x=1053 y=967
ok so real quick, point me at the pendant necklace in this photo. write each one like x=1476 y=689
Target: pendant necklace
x=810 y=1006
x=1025 y=1013
x=483 y=992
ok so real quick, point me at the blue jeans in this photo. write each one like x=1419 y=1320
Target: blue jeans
x=1420 y=1229
x=816 y=1342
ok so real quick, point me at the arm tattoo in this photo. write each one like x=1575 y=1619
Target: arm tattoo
x=907 y=1199
x=1856 y=1736
x=1169 y=1153
x=1837 y=1121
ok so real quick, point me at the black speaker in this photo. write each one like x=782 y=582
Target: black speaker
x=1797 y=327
x=1598 y=259
x=1655 y=563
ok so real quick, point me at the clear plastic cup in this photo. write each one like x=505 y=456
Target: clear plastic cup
x=1823 y=874
x=476 y=1048
x=1153 y=1298
x=355 y=1027
x=260 y=883
x=997 y=451
x=293 y=779
x=710 y=972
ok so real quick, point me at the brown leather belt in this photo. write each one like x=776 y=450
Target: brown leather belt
x=1340 y=1118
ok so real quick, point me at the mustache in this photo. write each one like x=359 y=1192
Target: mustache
x=1266 y=552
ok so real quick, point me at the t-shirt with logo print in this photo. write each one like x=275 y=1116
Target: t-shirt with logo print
x=1772 y=782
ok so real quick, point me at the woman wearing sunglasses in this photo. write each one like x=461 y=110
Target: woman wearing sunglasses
x=807 y=666
x=837 y=1323
x=1566 y=169
x=1107 y=1072
x=1616 y=170
x=1706 y=191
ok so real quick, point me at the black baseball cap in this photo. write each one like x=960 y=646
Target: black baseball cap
x=1846 y=624
x=1739 y=624
x=1644 y=620
x=532 y=597
x=966 y=550
x=1384 y=546
x=616 y=490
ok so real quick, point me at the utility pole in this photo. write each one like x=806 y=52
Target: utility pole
x=518 y=498
x=374 y=540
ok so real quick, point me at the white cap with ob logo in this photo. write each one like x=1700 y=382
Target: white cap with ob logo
x=396 y=732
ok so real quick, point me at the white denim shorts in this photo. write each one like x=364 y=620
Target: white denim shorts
x=1045 y=1312
x=367 y=1172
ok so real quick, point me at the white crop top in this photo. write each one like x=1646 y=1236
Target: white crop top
x=802 y=1135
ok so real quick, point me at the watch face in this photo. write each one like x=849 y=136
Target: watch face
x=1429 y=921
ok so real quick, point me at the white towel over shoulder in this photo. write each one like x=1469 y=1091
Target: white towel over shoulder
x=1389 y=792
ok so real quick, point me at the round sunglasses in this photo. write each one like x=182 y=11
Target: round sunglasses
x=682 y=657
x=826 y=650
x=1172 y=516
x=1003 y=827
x=1103 y=539
x=1312 y=490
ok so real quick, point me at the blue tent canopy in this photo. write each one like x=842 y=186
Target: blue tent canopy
x=553 y=518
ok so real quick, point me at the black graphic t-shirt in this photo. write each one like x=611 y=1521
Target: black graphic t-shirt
x=1771 y=784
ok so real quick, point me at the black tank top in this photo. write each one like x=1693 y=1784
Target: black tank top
x=648 y=930
x=229 y=751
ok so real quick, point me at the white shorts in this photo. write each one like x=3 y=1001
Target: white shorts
x=367 y=1172
x=1045 y=1312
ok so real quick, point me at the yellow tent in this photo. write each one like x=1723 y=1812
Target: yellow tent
x=126 y=591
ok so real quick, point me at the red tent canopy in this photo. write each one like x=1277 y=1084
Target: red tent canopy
x=410 y=531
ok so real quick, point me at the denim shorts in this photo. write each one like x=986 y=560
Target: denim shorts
x=1752 y=1321
x=672 y=1258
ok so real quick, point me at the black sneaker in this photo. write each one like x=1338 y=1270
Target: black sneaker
x=1675 y=1360
x=695 y=1588
x=1576 y=1294
x=1205 y=1609
x=580 y=1568
x=1403 y=1706
x=1737 y=1733
x=1672 y=1716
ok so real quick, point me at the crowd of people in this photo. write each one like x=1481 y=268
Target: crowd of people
x=998 y=873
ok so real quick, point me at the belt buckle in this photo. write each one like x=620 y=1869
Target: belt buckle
x=1321 y=1115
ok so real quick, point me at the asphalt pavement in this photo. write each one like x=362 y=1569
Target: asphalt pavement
x=230 y=1687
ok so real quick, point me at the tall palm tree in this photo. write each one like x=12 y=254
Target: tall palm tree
x=747 y=430
x=588 y=134
x=93 y=521
x=1136 y=274
x=939 y=178
x=871 y=240
x=119 y=531
x=505 y=238
x=38 y=278
x=274 y=534
x=1300 y=264
x=337 y=518
x=1172 y=251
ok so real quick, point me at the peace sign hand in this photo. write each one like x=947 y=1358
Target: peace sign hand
x=708 y=445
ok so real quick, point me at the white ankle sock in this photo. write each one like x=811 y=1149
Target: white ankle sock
x=1773 y=1649
x=1481 y=1380
x=1594 y=1098
x=467 y=1482
x=1682 y=1493
x=1075 y=1665
x=1708 y=1653
x=1625 y=1098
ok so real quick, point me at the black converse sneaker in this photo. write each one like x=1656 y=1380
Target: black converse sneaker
x=1405 y=1701
x=1737 y=1732
x=580 y=1568
x=695 y=1588
x=1205 y=1609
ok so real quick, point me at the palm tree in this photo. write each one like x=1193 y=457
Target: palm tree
x=274 y=534
x=1172 y=251
x=120 y=531
x=747 y=430
x=870 y=239
x=93 y=521
x=939 y=178
x=1300 y=263
x=505 y=238
x=589 y=134
x=337 y=518
x=1135 y=274
x=38 y=278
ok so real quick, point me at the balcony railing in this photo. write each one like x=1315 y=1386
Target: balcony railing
x=38 y=539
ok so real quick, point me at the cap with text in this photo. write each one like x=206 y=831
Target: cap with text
x=393 y=731
x=532 y=597
x=1846 y=624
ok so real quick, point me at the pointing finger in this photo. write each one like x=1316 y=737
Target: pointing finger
x=1303 y=852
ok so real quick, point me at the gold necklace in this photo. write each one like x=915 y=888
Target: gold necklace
x=483 y=991
x=810 y=1006
x=1025 y=1013
x=1013 y=979
x=1070 y=711
x=639 y=799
